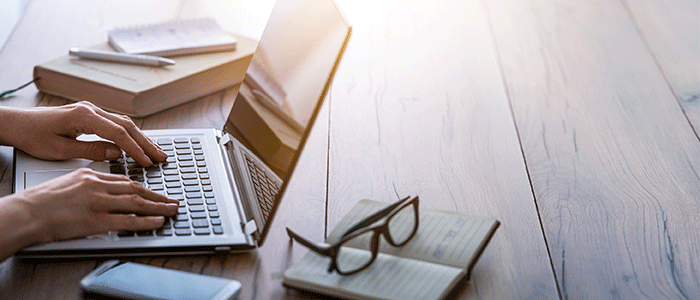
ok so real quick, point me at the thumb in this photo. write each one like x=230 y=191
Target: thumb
x=98 y=150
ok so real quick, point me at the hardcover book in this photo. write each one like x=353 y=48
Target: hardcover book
x=139 y=91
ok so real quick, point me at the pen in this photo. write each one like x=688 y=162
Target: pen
x=138 y=59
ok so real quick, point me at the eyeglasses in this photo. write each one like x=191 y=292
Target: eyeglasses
x=399 y=225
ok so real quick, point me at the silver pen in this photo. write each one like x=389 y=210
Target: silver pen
x=138 y=59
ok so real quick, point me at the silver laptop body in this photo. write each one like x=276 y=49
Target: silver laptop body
x=220 y=173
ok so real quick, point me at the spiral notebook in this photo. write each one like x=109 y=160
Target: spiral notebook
x=173 y=38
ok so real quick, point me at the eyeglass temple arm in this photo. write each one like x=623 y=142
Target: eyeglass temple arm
x=320 y=249
x=374 y=217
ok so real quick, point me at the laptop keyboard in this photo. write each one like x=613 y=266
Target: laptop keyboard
x=265 y=188
x=184 y=177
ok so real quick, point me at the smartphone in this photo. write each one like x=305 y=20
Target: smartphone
x=126 y=280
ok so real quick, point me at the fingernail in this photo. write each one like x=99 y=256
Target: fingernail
x=111 y=153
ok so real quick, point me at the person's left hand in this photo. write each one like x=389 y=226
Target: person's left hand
x=50 y=133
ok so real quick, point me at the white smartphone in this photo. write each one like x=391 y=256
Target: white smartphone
x=126 y=280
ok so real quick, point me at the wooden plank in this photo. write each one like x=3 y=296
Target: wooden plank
x=670 y=29
x=612 y=160
x=418 y=107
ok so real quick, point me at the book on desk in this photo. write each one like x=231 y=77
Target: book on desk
x=139 y=91
x=443 y=252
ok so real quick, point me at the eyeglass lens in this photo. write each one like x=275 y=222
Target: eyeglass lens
x=351 y=259
x=400 y=227
x=402 y=224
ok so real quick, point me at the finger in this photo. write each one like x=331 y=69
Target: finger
x=150 y=148
x=112 y=131
x=133 y=203
x=98 y=150
x=133 y=187
x=131 y=222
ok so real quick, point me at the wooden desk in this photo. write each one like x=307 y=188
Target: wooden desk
x=575 y=123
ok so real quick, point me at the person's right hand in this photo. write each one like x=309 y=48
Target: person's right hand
x=87 y=202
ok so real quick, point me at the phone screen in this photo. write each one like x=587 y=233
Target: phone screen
x=130 y=280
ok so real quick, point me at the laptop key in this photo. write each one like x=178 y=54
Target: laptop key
x=164 y=232
x=182 y=210
x=187 y=170
x=154 y=180
x=190 y=189
x=198 y=215
x=195 y=140
x=200 y=223
x=183 y=231
x=182 y=146
x=153 y=174
x=183 y=151
x=193 y=195
x=181 y=140
x=218 y=230
x=169 y=166
x=117 y=169
x=189 y=176
x=155 y=187
x=190 y=182
x=216 y=221
x=211 y=200
x=212 y=207
x=213 y=214
x=201 y=231
x=164 y=141
x=172 y=178
x=195 y=202
x=172 y=185
x=174 y=191
x=185 y=164
x=196 y=208
x=181 y=224
x=170 y=172
x=144 y=233
x=182 y=217
x=209 y=195
x=124 y=233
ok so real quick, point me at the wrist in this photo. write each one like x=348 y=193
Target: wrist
x=8 y=127
x=21 y=215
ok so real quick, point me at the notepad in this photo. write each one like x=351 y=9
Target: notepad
x=173 y=38
x=441 y=254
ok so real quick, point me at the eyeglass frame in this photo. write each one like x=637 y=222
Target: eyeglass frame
x=362 y=227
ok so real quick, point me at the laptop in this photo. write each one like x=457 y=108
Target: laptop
x=229 y=181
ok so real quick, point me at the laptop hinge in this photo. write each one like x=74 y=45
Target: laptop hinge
x=224 y=139
x=250 y=228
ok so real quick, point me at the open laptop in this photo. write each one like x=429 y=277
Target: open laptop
x=229 y=182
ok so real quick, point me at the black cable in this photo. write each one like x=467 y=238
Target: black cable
x=9 y=92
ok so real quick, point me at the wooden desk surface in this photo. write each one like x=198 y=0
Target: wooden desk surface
x=575 y=123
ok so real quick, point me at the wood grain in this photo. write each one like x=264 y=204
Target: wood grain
x=612 y=159
x=418 y=108
x=671 y=31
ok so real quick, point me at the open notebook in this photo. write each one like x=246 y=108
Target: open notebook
x=441 y=254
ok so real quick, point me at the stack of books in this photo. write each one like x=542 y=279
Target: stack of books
x=139 y=91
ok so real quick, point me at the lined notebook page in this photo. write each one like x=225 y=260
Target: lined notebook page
x=387 y=278
x=443 y=237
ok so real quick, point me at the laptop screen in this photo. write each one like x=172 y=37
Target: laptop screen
x=286 y=83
